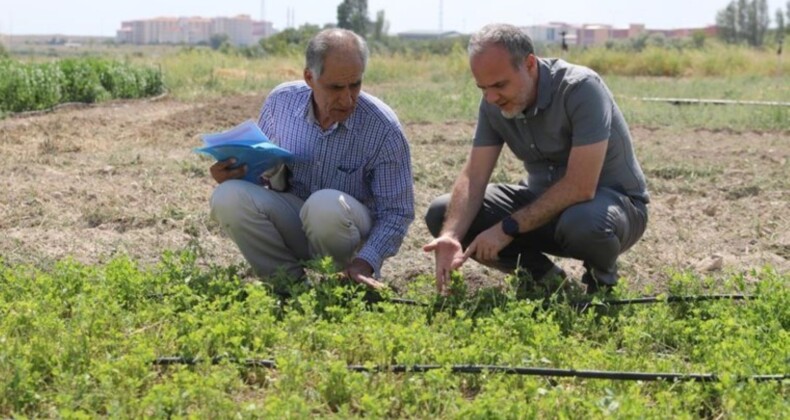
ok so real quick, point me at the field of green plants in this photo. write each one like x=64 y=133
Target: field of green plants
x=80 y=341
x=193 y=335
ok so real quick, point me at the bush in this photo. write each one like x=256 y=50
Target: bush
x=29 y=87
x=82 y=81
x=25 y=87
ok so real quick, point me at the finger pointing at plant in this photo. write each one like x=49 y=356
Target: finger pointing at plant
x=449 y=256
x=361 y=272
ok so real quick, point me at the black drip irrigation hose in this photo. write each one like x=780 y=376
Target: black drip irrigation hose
x=582 y=304
x=517 y=370
x=577 y=304
x=509 y=370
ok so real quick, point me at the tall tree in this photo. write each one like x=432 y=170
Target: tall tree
x=380 y=26
x=743 y=20
x=727 y=23
x=762 y=19
x=353 y=15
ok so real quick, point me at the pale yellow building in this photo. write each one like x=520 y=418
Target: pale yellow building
x=241 y=30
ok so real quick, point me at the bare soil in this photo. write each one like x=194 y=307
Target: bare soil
x=92 y=182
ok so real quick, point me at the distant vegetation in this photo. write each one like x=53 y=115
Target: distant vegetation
x=422 y=80
x=747 y=22
x=36 y=86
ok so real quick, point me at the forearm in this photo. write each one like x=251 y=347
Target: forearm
x=550 y=204
x=469 y=190
x=465 y=201
x=385 y=238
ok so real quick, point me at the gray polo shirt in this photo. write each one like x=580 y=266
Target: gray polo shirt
x=573 y=108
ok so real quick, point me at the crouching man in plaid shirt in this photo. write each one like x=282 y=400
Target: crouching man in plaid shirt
x=349 y=191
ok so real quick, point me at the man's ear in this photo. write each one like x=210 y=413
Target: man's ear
x=308 y=77
x=529 y=61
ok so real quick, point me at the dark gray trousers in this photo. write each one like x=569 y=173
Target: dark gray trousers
x=595 y=232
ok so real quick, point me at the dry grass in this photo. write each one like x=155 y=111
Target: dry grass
x=121 y=177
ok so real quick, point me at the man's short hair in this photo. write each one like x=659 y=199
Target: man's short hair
x=327 y=40
x=513 y=39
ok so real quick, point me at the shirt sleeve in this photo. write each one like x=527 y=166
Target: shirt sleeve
x=485 y=135
x=392 y=186
x=589 y=105
x=266 y=117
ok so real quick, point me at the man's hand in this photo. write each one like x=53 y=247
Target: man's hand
x=486 y=246
x=221 y=171
x=449 y=256
x=361 y=272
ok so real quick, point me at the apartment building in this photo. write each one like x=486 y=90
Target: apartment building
x=241 y=30
x=596 y=34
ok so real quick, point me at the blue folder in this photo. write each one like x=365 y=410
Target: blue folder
x=249 y=146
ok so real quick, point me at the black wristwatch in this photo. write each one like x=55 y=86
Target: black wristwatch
x=510 y=226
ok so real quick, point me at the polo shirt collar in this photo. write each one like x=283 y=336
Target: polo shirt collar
x=543 y=99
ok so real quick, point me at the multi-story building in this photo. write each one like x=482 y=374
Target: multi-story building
x=596 y=34
x=241 y=30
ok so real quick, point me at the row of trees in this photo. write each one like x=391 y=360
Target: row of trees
x=746 y=22
x=742 y=21
x=353 y=15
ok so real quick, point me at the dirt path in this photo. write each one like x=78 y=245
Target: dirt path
x=92 y=182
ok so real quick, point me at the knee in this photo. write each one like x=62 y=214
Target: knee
x=229 y=201
x=325 y=212
x=434 y=217
x=578 y=226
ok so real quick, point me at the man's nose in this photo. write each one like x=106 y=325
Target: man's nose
x=491 y=96
x=346 y=98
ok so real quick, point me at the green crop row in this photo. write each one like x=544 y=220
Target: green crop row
x=37 y=86
x=78 y=341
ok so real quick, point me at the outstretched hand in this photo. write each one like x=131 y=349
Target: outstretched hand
x=223 y=171
x=361 y=272
x=449 y=256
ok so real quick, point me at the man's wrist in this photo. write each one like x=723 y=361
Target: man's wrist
x=449 y=234
x=510 y=226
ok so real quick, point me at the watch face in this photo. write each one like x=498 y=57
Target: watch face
x=510 y=226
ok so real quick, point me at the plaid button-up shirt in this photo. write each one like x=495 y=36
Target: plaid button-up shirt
x=366 y=156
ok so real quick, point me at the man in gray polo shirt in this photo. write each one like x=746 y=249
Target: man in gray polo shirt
x=585 y=195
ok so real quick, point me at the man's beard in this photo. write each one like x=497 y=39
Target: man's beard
x=517 y=110
x=509 y=115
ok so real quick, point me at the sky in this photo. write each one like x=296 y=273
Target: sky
x=103 y=17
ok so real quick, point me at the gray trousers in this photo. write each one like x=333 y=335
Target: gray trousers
x=278 y=231
x=595 y=232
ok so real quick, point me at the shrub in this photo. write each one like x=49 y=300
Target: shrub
x=36 y=86
x=82 y=82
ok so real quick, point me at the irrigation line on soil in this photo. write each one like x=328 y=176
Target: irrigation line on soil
x=582 y=304
x=509 y=370
x=579 y=304
x=693 y=101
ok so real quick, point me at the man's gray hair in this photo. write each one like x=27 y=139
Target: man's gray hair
x=328 y=39
x=513 y=39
